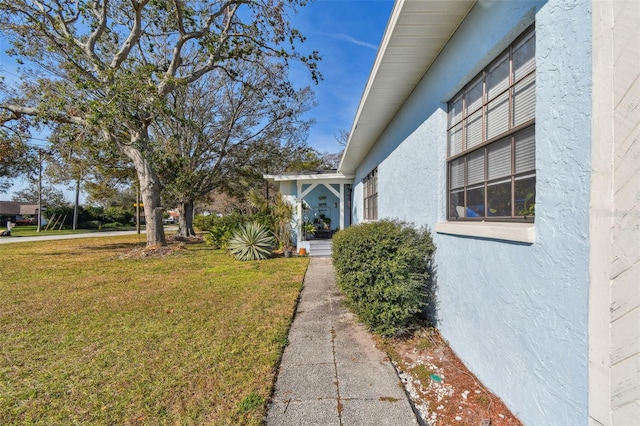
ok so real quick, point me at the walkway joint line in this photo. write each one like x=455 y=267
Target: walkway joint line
x=335 y=368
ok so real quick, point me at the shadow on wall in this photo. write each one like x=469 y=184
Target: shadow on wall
x=430 y=310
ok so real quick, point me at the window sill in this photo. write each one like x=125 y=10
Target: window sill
x=505 y=231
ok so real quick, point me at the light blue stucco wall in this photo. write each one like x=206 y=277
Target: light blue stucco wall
x=515 y=313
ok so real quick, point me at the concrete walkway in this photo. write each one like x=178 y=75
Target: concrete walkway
x=331 y=373
x=53 y=237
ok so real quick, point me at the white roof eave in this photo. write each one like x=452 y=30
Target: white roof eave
x=309 y=177
x=416 y=33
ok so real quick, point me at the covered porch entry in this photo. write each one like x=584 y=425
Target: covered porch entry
x=322 y=206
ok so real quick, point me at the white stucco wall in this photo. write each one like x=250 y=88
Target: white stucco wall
x=625 y=233
x=614 y=322
x=515 y=313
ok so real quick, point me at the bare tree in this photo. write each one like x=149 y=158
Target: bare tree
x=214 y=126
x=15 y=156
x=342 y=137
x=50 y=196
x=110 y=64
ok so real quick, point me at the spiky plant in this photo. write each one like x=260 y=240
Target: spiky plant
x=252 y=242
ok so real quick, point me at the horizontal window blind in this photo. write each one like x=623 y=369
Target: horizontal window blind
x=498 y=77
x=455 y=140
x=455 y=111
x=456 y=173
x=473 y=96
x=525 y=150
x=475 y=167
x=498 y=116
x=370 y=198
x=491 y=166
x=524 y=100
x=499 y=159
x=524 y=56
x=474 y=130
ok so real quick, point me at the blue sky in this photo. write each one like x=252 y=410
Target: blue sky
x=347 y=34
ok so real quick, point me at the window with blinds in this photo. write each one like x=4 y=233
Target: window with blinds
x=371 y=195
x=491 y=139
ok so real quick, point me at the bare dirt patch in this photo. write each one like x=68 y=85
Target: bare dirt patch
x=175 y=243
x=441 y=388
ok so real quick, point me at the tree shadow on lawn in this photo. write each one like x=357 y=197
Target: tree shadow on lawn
x=112 y=247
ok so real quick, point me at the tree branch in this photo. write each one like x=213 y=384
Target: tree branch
x=134 y=35
x=90 y=45
x=229 y=8
x=18 y=111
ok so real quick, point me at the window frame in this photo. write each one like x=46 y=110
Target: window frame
x=370 y=195
x=474 y=102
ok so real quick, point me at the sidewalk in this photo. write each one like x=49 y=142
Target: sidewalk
x=331 y=373
x=11 y=240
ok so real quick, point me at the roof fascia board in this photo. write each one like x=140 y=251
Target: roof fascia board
x=337 y=177
x=360 y=152
x=388 y=32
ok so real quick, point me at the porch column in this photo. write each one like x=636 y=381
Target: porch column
x=341 y=206
x=299 y=208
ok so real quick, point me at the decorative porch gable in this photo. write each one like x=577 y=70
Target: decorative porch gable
x=317 y=195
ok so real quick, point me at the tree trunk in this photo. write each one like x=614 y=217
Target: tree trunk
x=150 y=193
x=185 y=221
x=75 y=206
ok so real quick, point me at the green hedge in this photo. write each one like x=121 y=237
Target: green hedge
x=220 y=228
x=383 y=269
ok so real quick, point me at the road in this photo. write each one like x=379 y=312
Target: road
x=9 y=240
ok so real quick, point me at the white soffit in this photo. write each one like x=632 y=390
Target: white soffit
x=416 y=33
x=309 y=177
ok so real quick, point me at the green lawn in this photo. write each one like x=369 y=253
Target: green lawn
x=32 y=231
x=88 y=336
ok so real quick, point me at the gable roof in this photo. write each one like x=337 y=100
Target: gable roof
x=416 y=33
x=13 y=208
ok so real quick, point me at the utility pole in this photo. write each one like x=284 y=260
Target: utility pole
x=75 y=206
x=39 y=190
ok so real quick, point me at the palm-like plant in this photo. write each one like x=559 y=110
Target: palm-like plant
x=282 y=212
x=252 y=242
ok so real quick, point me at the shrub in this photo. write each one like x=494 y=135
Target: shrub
x=205 y=223
x=117 y=215
x=63 y=215
x=220 y=228
x=219 y=236
x=383 y=269
x=252 y=242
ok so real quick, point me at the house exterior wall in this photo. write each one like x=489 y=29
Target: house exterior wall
x=331 y=208
x=614 y=320
x=625 y=238
x=516 y=313
x=288 y=190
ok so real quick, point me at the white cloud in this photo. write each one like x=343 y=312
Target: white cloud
x=348 y=38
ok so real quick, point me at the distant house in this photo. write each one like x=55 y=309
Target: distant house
x=16 y=212
x=511 y=129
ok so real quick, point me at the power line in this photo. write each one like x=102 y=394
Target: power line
x=4 y=71
x=38 y=145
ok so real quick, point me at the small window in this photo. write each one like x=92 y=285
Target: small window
x=371 y=195
x=491 y=139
